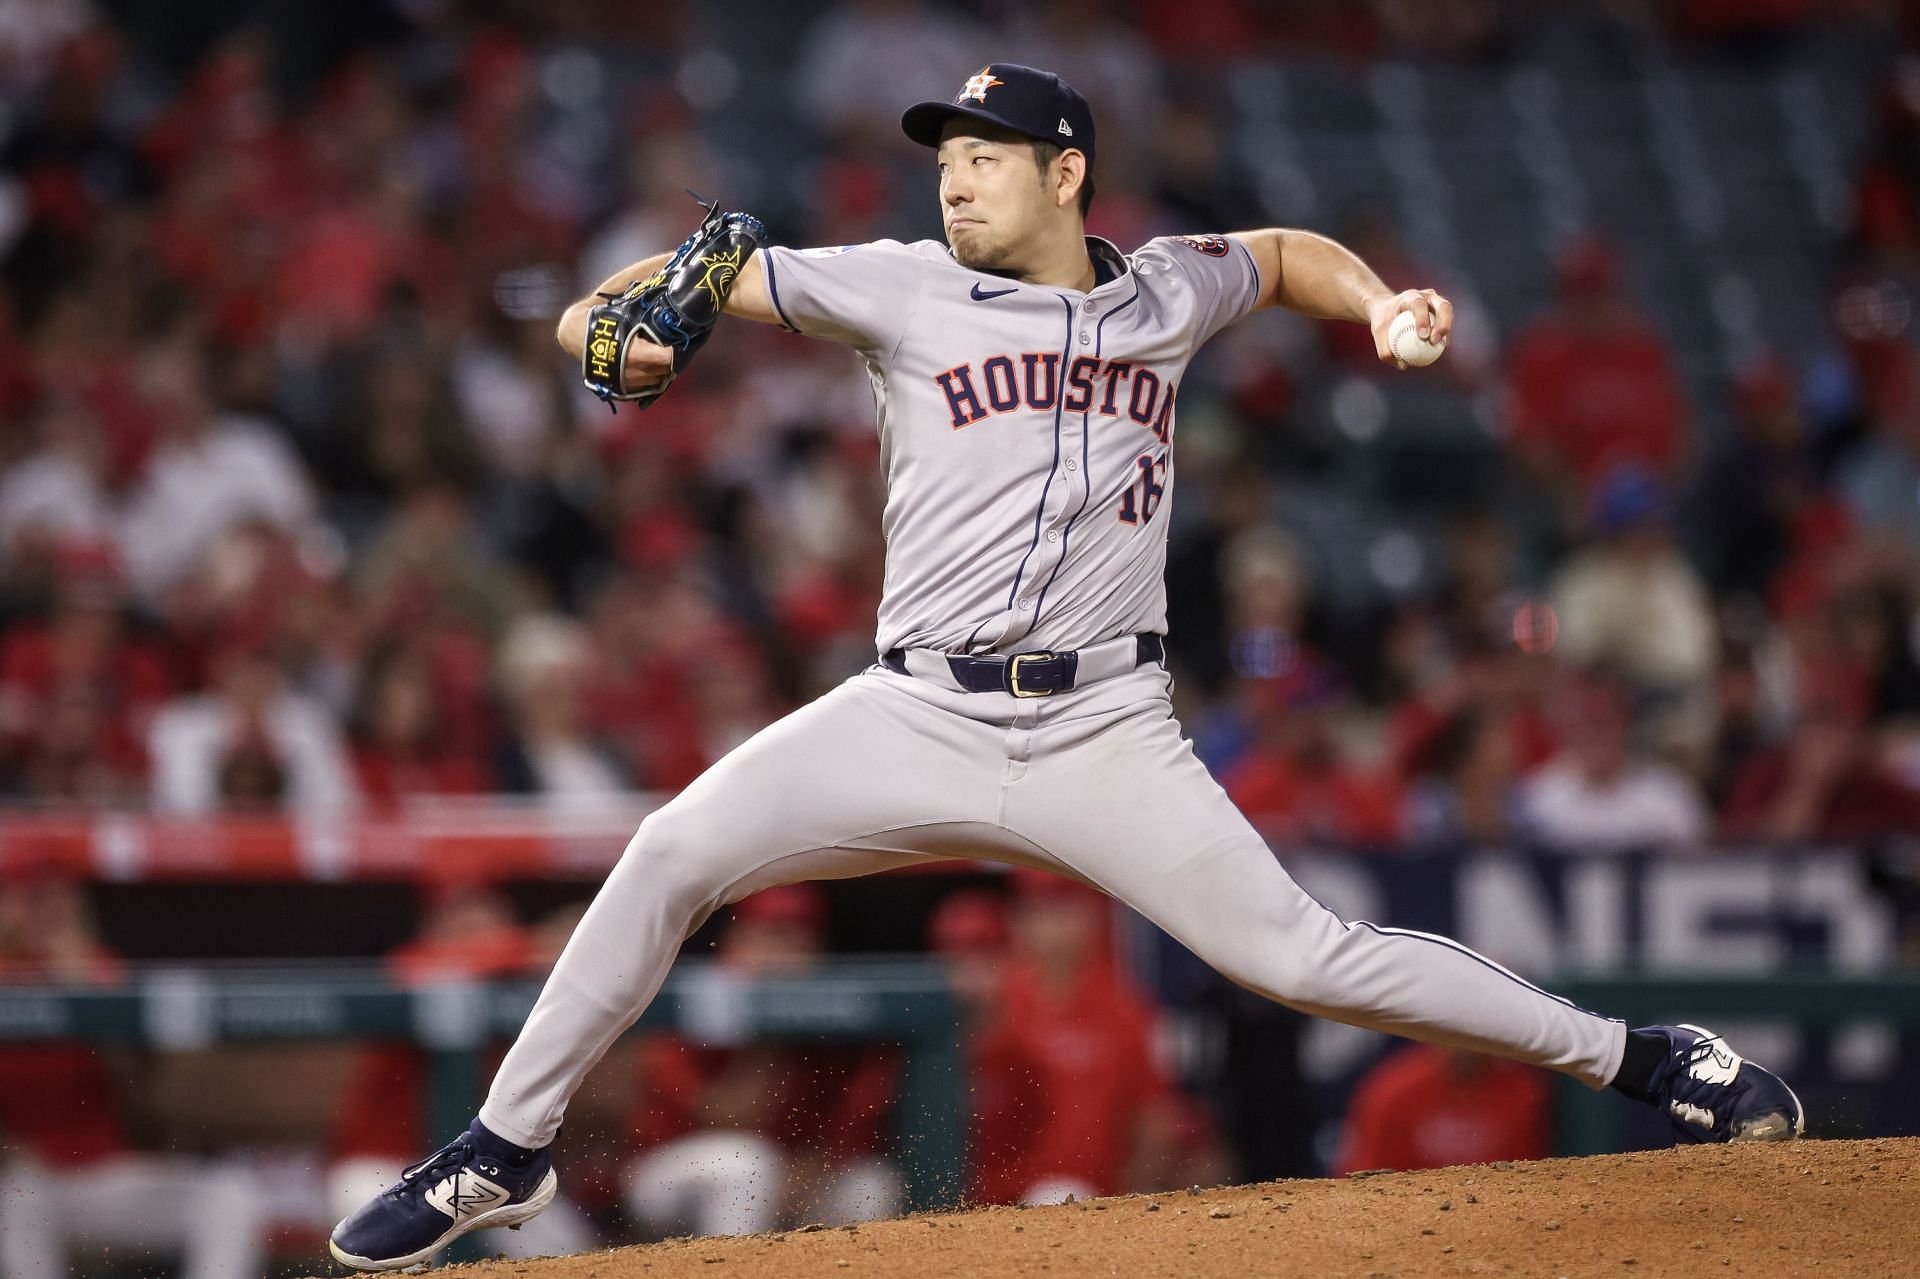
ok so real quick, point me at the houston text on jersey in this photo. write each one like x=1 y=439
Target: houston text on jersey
x=1093 y=386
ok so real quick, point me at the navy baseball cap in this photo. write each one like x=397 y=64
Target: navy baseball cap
x=1038 y=104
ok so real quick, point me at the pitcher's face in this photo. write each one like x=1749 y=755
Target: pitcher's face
x=994 y=196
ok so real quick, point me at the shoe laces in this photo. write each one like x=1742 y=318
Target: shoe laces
x=450 y=1158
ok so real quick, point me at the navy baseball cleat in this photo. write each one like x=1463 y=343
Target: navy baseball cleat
x=475 y=1181
x=1713 y=1094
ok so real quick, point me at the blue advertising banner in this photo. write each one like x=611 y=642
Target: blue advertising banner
x=1737 y=913
x=1716 y=915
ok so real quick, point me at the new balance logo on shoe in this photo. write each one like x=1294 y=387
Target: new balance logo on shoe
x=1712 y=1062
x=464 y=1195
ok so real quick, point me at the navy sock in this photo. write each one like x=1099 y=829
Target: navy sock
x=1646 y=1049
x=489 y=1142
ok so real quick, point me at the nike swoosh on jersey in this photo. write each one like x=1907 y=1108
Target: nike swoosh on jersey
x=978 y=296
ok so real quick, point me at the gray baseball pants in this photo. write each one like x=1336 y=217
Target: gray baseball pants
x=1096 y=783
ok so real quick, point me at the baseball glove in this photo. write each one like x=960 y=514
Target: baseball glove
x=675 y=307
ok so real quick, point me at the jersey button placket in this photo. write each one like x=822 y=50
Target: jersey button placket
x=1072 y=495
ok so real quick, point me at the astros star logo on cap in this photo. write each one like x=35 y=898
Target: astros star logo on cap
x=977 y=87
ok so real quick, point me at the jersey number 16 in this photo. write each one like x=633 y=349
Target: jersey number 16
x=1142 y=498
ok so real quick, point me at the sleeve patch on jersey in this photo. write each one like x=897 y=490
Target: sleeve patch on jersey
x=833 y=251
x=1214 y=246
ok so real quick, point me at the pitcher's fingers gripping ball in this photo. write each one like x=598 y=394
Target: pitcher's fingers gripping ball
x=1410 y=327
x=675 y=307
x=1408 y=347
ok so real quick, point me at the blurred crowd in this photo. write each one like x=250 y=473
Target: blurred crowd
x=300 y=509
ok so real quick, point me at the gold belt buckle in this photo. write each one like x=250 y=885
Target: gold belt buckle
x=1013 y=674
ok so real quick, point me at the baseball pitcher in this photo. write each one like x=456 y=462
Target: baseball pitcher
x=1026 y=380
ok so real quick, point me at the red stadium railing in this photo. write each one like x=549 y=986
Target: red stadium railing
x=486 y=840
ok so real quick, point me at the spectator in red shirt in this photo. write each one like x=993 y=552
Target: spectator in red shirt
x=72 y=1188
x=1425 y=1106
x=1823 y=782
x=400 y=745
x=76 y=692
x=641 y=698
x=1293 y=783
x=1070 y=1101
x=968 y=931
x=736 y=1137
x=1592 y=386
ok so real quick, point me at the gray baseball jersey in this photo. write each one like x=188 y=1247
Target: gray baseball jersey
x=1027 y=431
x=1027 y=434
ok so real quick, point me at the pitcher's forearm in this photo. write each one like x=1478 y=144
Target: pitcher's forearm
x=572 y=329
x=1314 y=275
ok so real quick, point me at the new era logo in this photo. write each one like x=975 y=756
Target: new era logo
x=1066 y=129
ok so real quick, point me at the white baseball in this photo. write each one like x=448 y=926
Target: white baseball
x=1408 y=346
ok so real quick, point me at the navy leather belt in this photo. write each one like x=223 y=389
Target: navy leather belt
x=1041 y=673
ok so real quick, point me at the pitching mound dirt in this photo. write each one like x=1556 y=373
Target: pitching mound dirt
x=1809 y=1208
